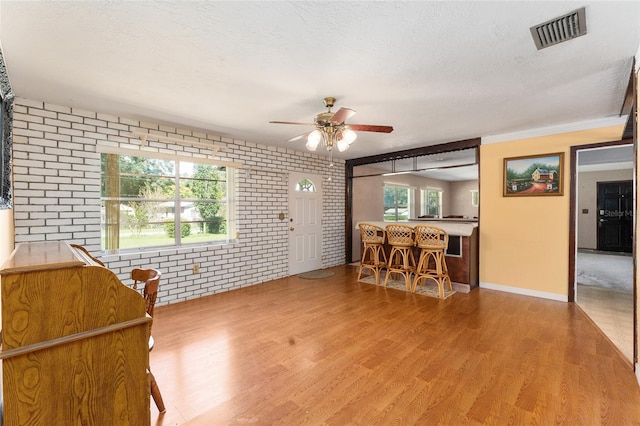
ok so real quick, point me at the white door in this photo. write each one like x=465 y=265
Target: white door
x=305 y=223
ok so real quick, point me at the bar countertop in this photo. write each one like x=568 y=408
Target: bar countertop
x=464 y=229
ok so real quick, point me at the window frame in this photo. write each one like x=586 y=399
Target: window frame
x=230 y=209
x=424 y=201
x=410 y=201
x=475 y=197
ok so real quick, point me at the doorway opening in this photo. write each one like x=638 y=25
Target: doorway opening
x=603 y=281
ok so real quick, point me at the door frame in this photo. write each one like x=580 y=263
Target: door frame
x=573 y=224
x=292 y=178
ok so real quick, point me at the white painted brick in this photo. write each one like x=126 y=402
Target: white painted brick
x=70 y=118
x=84 y=127
x=57 y=108
x=261 y=196
x=129 y=122
x=70 y=132
x=27 y=133
x=26 y=118
x=29 y=103
x=83 y=113
x=57 y=137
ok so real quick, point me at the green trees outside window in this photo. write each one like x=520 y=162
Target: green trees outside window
x=431 y=202
x=398 y=203
x=145 y=201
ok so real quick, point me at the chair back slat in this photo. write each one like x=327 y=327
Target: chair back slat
x=151 y=280
x=371 y=234
x=400 y=235
x=431 y=237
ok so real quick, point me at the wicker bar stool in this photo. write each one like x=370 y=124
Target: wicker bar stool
x=433 y=241
x=373 y=256
x=401 y=260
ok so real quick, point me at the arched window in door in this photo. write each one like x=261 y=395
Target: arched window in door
x=305 y=185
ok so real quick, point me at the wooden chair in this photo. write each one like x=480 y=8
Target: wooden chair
x=151 y=280
x=401 y=259
x=373 y=256
x=432 y=241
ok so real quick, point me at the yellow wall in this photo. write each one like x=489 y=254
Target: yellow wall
x=524 y=241
x=7 y=232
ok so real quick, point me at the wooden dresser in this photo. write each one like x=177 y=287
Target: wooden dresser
x=74 y=341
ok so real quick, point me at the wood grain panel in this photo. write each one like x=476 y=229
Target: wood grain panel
x=75 y=343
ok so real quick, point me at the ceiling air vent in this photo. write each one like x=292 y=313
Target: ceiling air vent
x=560 y=29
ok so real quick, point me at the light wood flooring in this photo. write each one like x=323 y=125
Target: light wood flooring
x=335 y=351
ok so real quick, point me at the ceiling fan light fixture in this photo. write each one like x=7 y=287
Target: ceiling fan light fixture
x=349 y=136
x=313 y=140
x=342 y=145
x=331 y=129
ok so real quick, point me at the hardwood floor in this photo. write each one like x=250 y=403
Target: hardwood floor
x=335 y=351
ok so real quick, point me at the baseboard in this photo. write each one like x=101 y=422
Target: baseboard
x=525 y=292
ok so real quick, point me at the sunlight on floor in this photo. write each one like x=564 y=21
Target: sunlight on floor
x=608 y=299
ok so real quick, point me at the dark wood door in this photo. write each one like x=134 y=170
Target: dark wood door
x=615 y=216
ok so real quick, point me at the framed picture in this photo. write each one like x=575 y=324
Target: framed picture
x=533 y=175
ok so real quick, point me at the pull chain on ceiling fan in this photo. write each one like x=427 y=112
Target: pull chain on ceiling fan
x=331 y=129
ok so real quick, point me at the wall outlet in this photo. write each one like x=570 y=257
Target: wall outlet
x=196 y=268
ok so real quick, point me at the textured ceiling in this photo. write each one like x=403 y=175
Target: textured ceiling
x=435 y=71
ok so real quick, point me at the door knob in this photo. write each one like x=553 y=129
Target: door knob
x=291 y=229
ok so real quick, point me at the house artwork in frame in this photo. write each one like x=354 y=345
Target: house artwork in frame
x=533 y=175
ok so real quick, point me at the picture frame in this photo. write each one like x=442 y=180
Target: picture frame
x=533 y=175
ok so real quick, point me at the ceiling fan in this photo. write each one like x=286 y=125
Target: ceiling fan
x=331 y=129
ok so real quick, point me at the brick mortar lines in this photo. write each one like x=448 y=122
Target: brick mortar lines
x=57 y=197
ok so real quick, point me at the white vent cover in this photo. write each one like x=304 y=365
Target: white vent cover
x=560 y=29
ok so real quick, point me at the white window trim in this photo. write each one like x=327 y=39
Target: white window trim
x=473 y=196
x=231 y=193
x=411 y=196
x=430 y=188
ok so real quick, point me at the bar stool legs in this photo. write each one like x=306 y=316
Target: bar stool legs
x=401 y=260
x=436 y=270
x=432 y=264
x=373 y=258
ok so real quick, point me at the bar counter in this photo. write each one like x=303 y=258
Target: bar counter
x=461 y=254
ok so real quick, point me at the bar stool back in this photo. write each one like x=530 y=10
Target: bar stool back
x=433 y=241
x=373 y=256
x=401 y=259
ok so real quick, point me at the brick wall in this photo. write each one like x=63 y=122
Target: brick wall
x=56 y=172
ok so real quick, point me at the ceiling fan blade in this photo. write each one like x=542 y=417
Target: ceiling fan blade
x=341 y=115
x=295 y=138
x=293 y=122
x=371 y=128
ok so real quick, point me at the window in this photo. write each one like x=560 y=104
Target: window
x=150 y=202
x=475 y=197
x=305 y=185
x=398 y=203
x=431 y=202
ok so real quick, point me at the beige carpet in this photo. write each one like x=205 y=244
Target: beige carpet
x=316 y=275
x=430 y=289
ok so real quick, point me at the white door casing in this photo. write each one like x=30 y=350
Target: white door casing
x=305 y=223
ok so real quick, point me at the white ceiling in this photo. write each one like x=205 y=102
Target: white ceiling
x=435 y=71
